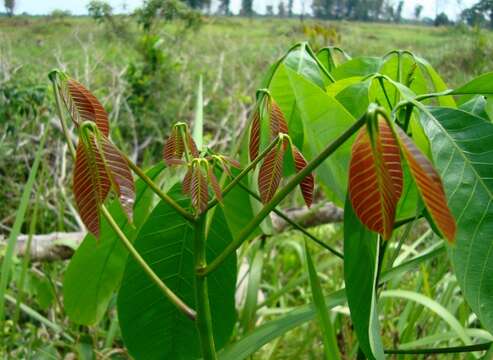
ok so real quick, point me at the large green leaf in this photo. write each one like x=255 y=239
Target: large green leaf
x=152 y=327
x=462 y=148
x=360 y=271
x=303 y=63
x=283 y=94
x=95 y=270
x=483 y=84
x=360 y=66
x=267 y=332
x=324 y=119
x=436 y=80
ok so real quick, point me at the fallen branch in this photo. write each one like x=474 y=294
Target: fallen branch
x=61 y=246
x=319 y=214
x=49 y=247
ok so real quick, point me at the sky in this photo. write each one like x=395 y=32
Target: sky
x=42 y=7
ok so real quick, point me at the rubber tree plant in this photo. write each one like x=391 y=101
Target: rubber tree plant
x=382 y=136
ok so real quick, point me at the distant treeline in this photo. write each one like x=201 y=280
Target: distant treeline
x=480 y=14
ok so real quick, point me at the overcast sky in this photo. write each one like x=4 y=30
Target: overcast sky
x=41 y=7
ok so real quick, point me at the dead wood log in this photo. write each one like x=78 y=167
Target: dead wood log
x=61 y=245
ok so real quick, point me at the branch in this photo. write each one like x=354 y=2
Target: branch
x=49 y=247
x=61 y=245
x=319 y=214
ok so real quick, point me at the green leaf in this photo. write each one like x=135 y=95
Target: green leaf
x=476 y=106
x=434 y=306
x=361 y=248
x=355 y=97
x=237 y=207
x=44 y=291
x=95 y=270
x=360 y=66
x=198 y=125
x=16 y=228
x=437 y=81
x=404 y=71
x=328 y=334
x=462 y=150
x=300 y=61
x=267 y=332
x=324 y=119
x=152 y=327
x=483 y=84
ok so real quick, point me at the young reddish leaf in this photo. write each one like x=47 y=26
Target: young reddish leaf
x=91 y=184
x=200 y=193
x=192 y=146
x=187 y=182
x=270 y=173
x=84 y=106
x=120 y=175
x=233 y=162
x=174 y=148
x=277 y=121
x=391 y=155
x=215 y=184
x=373 y=189
x=308 y=183
x=254 y=142
x=430 y=187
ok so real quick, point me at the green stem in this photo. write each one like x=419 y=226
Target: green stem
x=152 y=185
x=295 y=224
x=65 y=129
x=245 y=171
x=203 y=320
x=447 y=350
x=382 y=85
x=320 y=65
x=175 y=300
x=281 y=194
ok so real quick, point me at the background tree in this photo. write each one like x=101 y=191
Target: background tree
x=442 y=20
x=485 y=7
x=10 y=7
x=473 y=17
x=417 y=11
x=290 y=8
x=269 y=10
x=246 y=7
x=224 y=7
x=398 y=11
x=281 y=10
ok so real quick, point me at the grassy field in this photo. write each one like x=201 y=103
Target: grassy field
x=232 y=55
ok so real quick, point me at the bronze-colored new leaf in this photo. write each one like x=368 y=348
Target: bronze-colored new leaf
x=120 y=174
x=278 y=122
x=375 y=178
x=215 y=184
x=270 y=173
x=174 y=148
x=91 y=184
x=192 y=146
x=187 y=182
x=254 y=141
x=84 y=106
x=430 y=187
x=199 y=190
x=308 y=183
